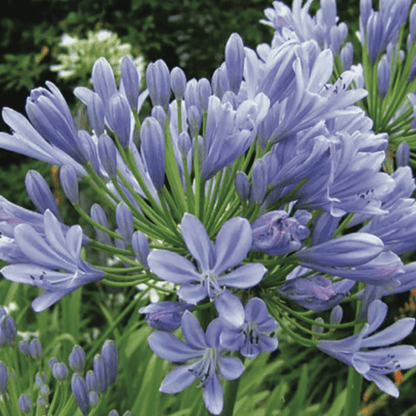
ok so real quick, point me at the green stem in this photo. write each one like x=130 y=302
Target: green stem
x=230 y=397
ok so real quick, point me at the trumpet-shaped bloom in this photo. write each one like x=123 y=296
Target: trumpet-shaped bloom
x=375 y=363
x=256 y=335
x=209 y=279
x=52 y=263
x=209 y=364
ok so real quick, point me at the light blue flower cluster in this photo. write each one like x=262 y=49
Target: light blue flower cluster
x=241 y=191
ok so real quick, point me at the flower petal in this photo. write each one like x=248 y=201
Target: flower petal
x=197 y=240
x=168 y=347
x=172 y=267
x=192 y=293
x=177 y=380
x=47 y=299
x=244 y=277
x=377 y=312
x=192 y=331
x=384 y=384
x=231 y=368
x=229 y=307
x=213 y=395
x=232 y=244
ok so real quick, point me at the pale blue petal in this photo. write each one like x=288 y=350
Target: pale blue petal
x=394 y=333
x=45 y=300
x=229 y=307
x=196 y=240
x=377 y=312
x=177 y=380
x=267 y=344
x=74 y=242
x=192 y=293
x=244 y=277
x=172 y=267
x=168 y=347
x=213 y=395
x=231 y=368
x=232 y=244
x=213 y=333
x=232 y=340
x=384 y=384
x=193 y=332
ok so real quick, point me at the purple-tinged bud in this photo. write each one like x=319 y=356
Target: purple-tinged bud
x=69 y=183
x=103 y=80
x=153 y=150
x=347 y=55
x=124 y=219
x=276 y=234
x=44 y=390
x=108 y=155
x=60 y=371
x=234 y=60
x=39 y=193
x=79 y=390
x=89 y=149
x=324 y=228
x=24 y=347
x=184 y=143
x=346 y=251
x=96 y=114
x=25 y=404
x=194 y=119
x=336 y=315
x=40 y=379
x=93 y=397
x=165 y=316
x=242 y=185
x=113 y=413
x=110 y=353
x=383 y=76
x=76 y=359
x=192 y=95
x=8 y=330
x=403 y=154
x=119 y=118
x=100 y=371
x=52 y=361
x=220 y=82
x=178 y=82
x=91 y=381
x=158 y=83
x=159 y=114
x=140 y=245
x=35 y=348
x=259 y=181
x=130 y=81
x=317 y=328
x=98 y=215
x=4 y=376
x=204 y=92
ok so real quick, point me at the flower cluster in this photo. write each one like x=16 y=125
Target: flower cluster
x=240 y=191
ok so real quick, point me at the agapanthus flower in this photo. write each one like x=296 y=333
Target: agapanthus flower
x=375 y=362
x=206 y=350
x=46 y=258
x=231 y=247
x=255 y=335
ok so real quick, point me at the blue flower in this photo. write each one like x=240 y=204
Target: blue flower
x=210 y=363
x=375 y=363
x=231 y=247
x=46 y=258
x=255 y=335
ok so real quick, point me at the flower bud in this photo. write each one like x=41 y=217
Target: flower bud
x=60 y=371
x=259 y=181
x=76 y=359
x=113 y=413
x=96 y=114
x=124 y=219
x=159 y=114
x=119 y=118
x=91 y=381
x=140 y=246
x=93 y=397
x=184 y=143
x=69 y=183
x=403 y=154
x=40 y=379
x=103 y=80
x=158 y=83
x=347 y=54
x=165 y=316
x=276 y=234
x=194 y=119
x=234 y=59
x=220 y=82
x=204 y=92
x=4 y=376
x=108 y=155
x=336 y=315
x=79 y=390
x=178 y=82
x=52 y=362
x=383 y=76
x=130 y=81
x=242 y=185
x=8 y=330
x=153 y=150
x=317 y=328
x=101 y=374
x=110 y=353
x=24 y=403
x=39 y=193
